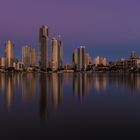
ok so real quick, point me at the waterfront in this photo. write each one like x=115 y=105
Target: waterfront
x=69 y=105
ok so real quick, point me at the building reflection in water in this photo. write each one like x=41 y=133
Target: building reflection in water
x=130 y=81
x=9 y=90
x=9 y=83
x=49 y=97
x=100 y=82
x=44 y=83
x=83 y=82
x=80 y=84
x=48 y=88
x=28 y=85
x=57 y=90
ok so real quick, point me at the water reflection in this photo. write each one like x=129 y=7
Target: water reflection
x=50 y=93
x=57 y=90
x=48 y=90
x=128 y=81
x=100 y=82
x=80 y=85
x=43 y=95
x=28 y=85
x=9 y=87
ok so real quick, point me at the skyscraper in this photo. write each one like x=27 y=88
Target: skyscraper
x=28 y=56
x=9 y=53
x=57 y=54
x=43 y=58
x=81 y=58
x=32 y=56
x=75 y=58
x=60 y=54
x=54 y=54
x=100 y=61
x=88 y=59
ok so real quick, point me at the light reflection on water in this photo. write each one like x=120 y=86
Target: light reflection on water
x=48 y=97
x=32 y=85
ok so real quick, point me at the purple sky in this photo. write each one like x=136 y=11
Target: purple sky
x=106 y=27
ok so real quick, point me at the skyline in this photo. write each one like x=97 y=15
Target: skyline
x=50 y=44
x=69 y=69
x=104 y=28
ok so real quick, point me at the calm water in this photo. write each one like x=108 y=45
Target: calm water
x=69 y=106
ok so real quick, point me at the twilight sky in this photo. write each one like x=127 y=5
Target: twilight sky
x=108 y=28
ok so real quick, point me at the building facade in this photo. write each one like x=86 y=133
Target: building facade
x=28 y=56
x=32 y=57
x=100 y=61
x=43 y=58
x=9 y=53
x=75 y=58
x=88 y=59
x=81 y=58
x=57 y=54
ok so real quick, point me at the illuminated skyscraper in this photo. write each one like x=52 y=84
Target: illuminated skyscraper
x=57 y=54
x=81 y=58
x=9 y=53
x=54 y=54
x=75 y=58
x=28 y=56
x=88 y=59
x=43 y=58
x=100 y=61
x=2 y=62
x=60 y=54
x=32 y=56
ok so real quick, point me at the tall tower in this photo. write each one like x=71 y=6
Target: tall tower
x=81 y=58
x=57 y=54
x=32 y=56
x=88 y=59
x=75 y=58
x=9 y=53
x=60 y=54
x=43 y=58
x=28 y=56
x=54 y=54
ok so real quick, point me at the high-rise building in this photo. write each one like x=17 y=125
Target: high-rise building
x=88 y=59
x=75 y=58
x=100 y=61
x=81 y=58
x=57 y=54
x=54 y=54
x=43 y=58
x=2 y=62
x=60 y=54
x=9 y=53
x=32 y=56
x=28 y=56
